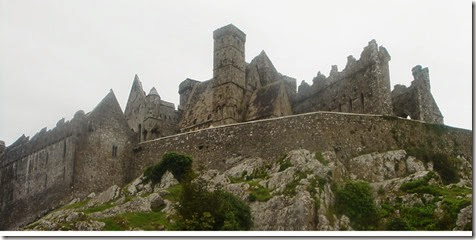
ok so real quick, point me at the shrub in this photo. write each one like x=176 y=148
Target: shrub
x=199 y=209
x=443 y=164
x=179 y=165
x=355 y=201
x=397 y=224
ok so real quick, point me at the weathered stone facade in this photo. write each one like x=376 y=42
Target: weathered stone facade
x=148 y=115
x=362 y=87
x=240 y=92
x=253 y=104
x=416 y=101
x=88 y=153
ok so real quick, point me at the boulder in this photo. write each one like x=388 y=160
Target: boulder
x=110 y=194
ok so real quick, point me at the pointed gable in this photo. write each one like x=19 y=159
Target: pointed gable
x=136 y=97
x=107 y=110
x=261 y=71
x=269 y=101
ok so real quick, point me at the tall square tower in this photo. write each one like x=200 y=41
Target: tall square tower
x=228 y=75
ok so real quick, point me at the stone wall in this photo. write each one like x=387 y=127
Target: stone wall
x=416 y=101
x=89 y=153
x=104 y=151
x=362 y=87
x=347 y=134
x=36 y=182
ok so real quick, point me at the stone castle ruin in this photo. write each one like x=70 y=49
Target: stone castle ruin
x=241 y=92
x=95 y=150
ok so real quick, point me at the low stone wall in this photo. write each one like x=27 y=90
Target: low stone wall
x=346 y=134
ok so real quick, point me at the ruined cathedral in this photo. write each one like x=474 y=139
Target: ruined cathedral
x=241 y=92
x=94 y=150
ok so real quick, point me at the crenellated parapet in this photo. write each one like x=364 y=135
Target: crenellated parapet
x=363 y=86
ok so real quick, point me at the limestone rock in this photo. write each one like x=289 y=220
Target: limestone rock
x=110 y=194
x=89 y=225
x=244 y=168
x=465 y=216
x=284 y=213
x=167 y=180
x=138 y=204
x=156 y=201
x=376 y=167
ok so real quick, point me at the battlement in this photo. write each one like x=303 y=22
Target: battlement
x=25 y=146
x=363 y=86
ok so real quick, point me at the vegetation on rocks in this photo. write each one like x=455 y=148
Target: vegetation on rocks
x=303 y=196
x=442 y=163
x=355 y=200
x=200 y=209
x=177 y=164
x=258 y=192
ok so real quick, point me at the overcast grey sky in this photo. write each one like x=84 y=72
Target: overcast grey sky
x=57 y=57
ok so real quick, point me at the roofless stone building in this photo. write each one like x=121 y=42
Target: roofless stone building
x=95 y=150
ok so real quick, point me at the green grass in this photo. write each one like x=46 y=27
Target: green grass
x=261 y=172
x=174 y=193
x=422 y=216
x=149 y=221
x=258 y=192
x=237 y=179
x=78 y=204
x=311 y=188
x=284 y=164
x=419 y=217
x=99 y=208
x=319 y=157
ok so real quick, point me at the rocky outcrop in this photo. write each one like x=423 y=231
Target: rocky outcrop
x=297 y=191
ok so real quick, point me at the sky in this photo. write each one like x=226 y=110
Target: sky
x=58 y=57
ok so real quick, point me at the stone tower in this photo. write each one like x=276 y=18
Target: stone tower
x=228 y=75
x=416 y=101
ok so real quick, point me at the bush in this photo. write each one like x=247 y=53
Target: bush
x=199 y=209
x=179 y=165
x=355 y=201
x=398 y=224
x=443 y=164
